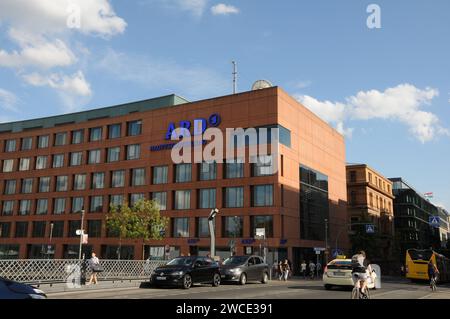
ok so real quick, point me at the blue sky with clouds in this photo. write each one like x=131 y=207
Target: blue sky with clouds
x=387 y=89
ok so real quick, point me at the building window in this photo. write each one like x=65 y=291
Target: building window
x=10 y=146
x=58 y=160
x=42 y=206
x=314 y=204
x=133 y=152
x=59 y=206
x=8 y=166
x=182 y=199
x=134 y=128
x=39 y=229
x=118 y=179
x=5 y=229
x=73 y=226
x=96 y=204
x=79 y=182
x=95 y=134
x=353 y=176
x=183 y=173
x=27 y=186
x=234 y=197
x=263 y=166
x=180 y=227
x=370 y=178
x=94 y=228
x=25 y=207
x=41 y=162
x=159 y=175
x=8 y=208
x=207 y=198
x=21 y=229
x=43 y=141
x=208 y=171
x=161 y=199
x=58 y=229
x=234 y=169
x=116 y=200
x=265 y=222
x=44 y=184
x=94 y=157
x=77 y=137
x=98 y=180
x=232 y=226
x=62 y=183
x=76 y=158
x=202 y=227
x=27 y=143
x=263 y=195
x=77 y=204
x=114 y=131
x=24 y=164
x=353 y=198
x=113 y=154
x=60 y=139
x=10 y=187
x=371 y=199
x=138 y=177
x=134 y=198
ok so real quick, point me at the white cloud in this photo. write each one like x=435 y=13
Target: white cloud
x=224 y=9
x=193 y=82
x=8 y=100
x=403 y=103
x=70 y=87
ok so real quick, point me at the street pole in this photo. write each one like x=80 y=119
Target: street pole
x=81 y=233
x=212 y=232
x=50 y=240
x=326 y=240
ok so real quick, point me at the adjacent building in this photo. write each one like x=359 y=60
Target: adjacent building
x=370 y=202
x=443 y=226
x=412 y=213
x=52 y=168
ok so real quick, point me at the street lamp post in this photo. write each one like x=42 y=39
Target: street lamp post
x=212 y=232
x=50 y=240
x=326 y=240
x=81 y=233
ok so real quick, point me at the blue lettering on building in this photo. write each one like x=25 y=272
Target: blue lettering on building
x=200 y=125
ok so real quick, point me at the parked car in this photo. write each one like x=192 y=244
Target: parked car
x=186 y=271
x=242 y=269
x=338 y=273
x=15 y=290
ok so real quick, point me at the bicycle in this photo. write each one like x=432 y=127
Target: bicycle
x=356 y=294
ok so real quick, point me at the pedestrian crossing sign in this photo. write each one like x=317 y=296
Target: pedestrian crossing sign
x=370 y=229
x=434 y=221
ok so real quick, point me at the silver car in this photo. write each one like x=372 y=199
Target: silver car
x=242 y=269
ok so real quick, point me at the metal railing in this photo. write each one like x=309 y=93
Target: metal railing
x=39 y=271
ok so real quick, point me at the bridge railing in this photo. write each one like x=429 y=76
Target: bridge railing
x=39 y=271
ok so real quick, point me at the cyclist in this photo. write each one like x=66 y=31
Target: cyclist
x=432 y=273
x=360 y=270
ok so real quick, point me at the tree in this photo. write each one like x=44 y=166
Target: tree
x=141 y=221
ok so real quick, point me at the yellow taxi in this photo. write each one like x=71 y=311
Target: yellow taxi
x=338 y=273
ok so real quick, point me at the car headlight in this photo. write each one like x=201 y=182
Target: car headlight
x=235 y=270
x=177 y=273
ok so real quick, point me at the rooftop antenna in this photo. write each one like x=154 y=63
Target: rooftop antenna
x=234 y=76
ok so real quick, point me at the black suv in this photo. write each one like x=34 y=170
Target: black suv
x=186 y=271
x=242 y=269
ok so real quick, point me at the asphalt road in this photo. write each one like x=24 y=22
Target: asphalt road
x=293 y=289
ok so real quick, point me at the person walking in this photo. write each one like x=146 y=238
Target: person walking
x=275 y=269
x=303 y=269
x=280 y=270
x=94 y=264
x=285 y=269
x=312 y=269
x=319 y=269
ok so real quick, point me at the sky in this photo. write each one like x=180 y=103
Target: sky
x=379 y=74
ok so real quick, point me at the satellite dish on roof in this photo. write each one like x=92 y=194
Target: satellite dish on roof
x=261 y=84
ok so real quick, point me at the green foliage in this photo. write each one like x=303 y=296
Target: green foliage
x=141 y=221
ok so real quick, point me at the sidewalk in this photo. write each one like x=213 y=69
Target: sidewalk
x=64 y=287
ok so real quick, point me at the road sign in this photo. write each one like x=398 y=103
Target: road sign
x=79 y=232
x=319 y=248
x=370 y=229
x=317 y=252
x=260 y=233
x=85 y=239
x=434 y=221
x=167 y=248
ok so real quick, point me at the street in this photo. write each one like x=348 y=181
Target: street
x=293 y=289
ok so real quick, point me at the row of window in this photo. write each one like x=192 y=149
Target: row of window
x=231 y=227
x=133 y=152
x=262 y=196
x=95 y=134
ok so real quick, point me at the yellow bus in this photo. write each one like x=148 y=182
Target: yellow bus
x=417 y=264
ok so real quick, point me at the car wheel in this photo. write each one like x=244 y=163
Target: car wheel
x=328 y=287
x=243 y=279
x=265 y=278
x=187 y=281
x=216 y=280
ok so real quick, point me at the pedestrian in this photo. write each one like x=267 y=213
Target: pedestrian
x=94 y=264
x=280 y=270
x=285 y=269
x=290 y=268
x=319 y=268
x=303 y=269
x=275 y=269
x=312 y=269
